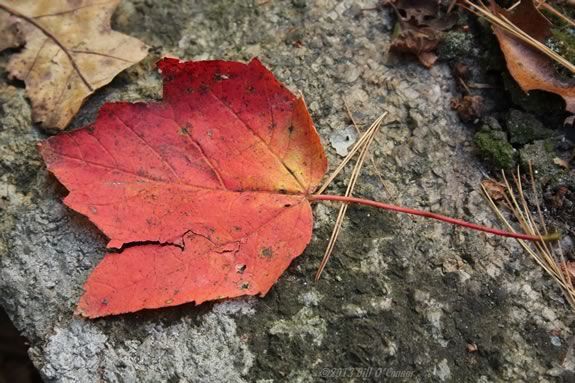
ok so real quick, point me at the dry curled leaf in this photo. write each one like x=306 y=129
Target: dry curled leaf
x=468 y=107
x=208 y=187
x=11 y=37
x=419 y=28
x=496 y=190
x=419 y=11
x=70 y=52
x=561 y=162
x=557 y=199
x=530 y=68
x=421 y=41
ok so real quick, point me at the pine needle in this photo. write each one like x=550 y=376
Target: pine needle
x=547 y=255
x=553 y=10
x=369 y=136
x=350 y=116
x=358 y=145
x=371 y=159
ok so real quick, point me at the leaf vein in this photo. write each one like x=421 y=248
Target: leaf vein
x=236 y=115
x=150 y=147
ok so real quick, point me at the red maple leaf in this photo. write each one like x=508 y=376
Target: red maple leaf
x=205 y=193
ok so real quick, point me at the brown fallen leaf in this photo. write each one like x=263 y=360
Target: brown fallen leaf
x=70 y=52
x=529 y=67
x=561 y=162
x=419 y=41
x=557 y=199
x=8 y=30
x=418 y=10
x=461 y=70
x=495 y=189
x=419 y=28
x=468 y=107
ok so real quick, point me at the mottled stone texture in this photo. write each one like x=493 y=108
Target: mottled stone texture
x=401 y=294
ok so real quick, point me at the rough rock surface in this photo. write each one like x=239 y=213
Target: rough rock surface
x=402 y=295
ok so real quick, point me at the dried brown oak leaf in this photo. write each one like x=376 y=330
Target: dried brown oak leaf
x=420 y=41
x=529 y=67
x=419 y=28
x=496 y=190
x=468 y=107
x=70 y=52
x=10 y=36
x=417 y=10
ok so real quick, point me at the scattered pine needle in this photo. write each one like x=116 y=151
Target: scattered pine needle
x=371 y=159
x=358 y=145
x=547 y=254
x=549 y=8
x=350 y=116
x=369 y=136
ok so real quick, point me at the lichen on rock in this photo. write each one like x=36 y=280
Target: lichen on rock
x=494 y=147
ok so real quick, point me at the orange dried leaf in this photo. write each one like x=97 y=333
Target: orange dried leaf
x=530 y=68
x=496 y=190
x=205 y=192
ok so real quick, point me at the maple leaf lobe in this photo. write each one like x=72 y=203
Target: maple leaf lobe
x=207 y=186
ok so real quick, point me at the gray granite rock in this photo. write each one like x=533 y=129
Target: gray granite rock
x=401 y=296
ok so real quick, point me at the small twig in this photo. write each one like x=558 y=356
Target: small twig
x=476 y=85
x=427 y=214
x=350 y=116
x=467 y=90
x=512 y=7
